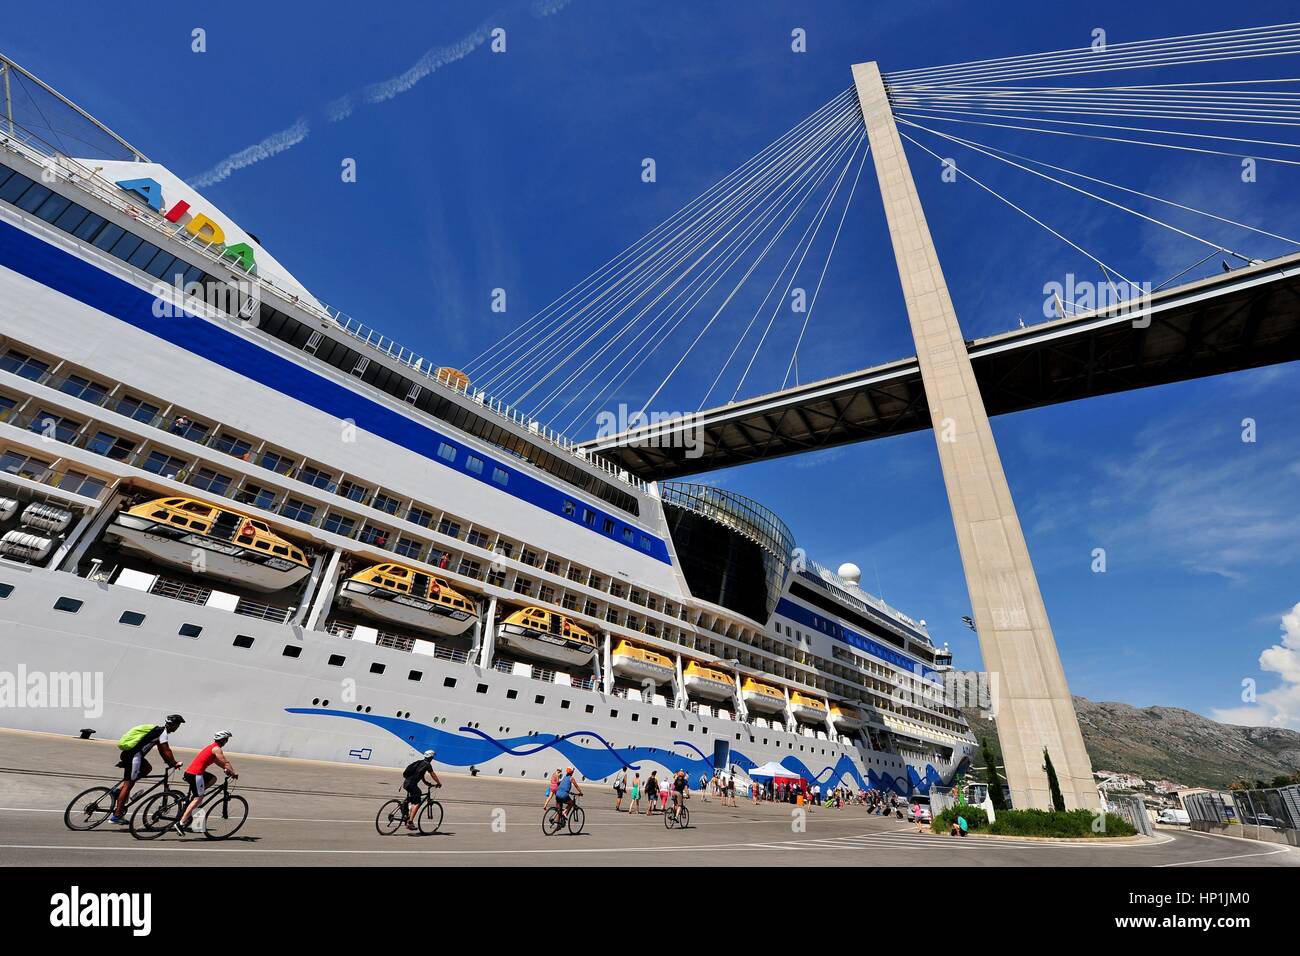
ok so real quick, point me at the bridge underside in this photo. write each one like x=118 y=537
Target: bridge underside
x=1243 y=319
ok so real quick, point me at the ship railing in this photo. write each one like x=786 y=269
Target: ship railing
x=80 y=176
x=263 y=612
x=401 y=642
x=180 y=591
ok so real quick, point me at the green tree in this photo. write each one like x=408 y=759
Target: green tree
x=1058 y=801
x=991 y=777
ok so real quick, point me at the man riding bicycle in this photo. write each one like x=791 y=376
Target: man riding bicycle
x=197 y=776
x=133 y=762
x=412 y=777
x=680 y=788
x=565 y=792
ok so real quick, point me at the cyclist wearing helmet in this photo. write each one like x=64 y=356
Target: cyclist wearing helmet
x=134 y=766
x=566 y=791
x=197 y=776
x=411 y=779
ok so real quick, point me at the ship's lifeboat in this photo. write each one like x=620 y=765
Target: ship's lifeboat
x=845 y=718
x=208 y=540
x=807 y=708
x=707 y=682
x=628 y=660
x=763 y=698
x=546 y=634
x=409 y=597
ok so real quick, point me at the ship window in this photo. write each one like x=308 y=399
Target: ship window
x=51 y=425
x=474 y=464
x=137 y=408
x=143 y=255
x=569 y=508
x=243 y=640
x=89 y=227
x=261 y=544
x=336 y=660
x=125 y=245
x=564 y=704
x=539 y=699
x=407 y=548
x=279 y=550
x=415 y=675
x=511 y=694
x=71 y=605
x=588 y=516
x=645 y=543
x=190 y=630
x=80 y=387
x=292 y=650
x=298 y=510
x=654 y=721
x=449 y=682
x=377 y=668
x=446 y=451
x=609 y=526
x=419 y=516
x=613 y=713
x=481 y=689
x=53 y=207
x=23 y=365
x=14 y=186
x=71 y=218
x=31 y=199
x=339 y=524
x=6 y=590
x=450 y=528
x=628 y=535
x=591 y=708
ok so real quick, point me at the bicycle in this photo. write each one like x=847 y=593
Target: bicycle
x=392 y=815
x=554 y=820
x=94 y=805
x=221 y=812
x=677 y=817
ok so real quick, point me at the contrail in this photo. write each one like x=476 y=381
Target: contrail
x=273 y=144
x=432 y=61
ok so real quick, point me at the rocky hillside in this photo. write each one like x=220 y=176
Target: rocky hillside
x=1166 y=742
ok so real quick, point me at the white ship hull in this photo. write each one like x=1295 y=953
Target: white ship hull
x=292 y=706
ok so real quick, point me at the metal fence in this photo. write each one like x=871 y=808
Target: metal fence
x=1275 y=807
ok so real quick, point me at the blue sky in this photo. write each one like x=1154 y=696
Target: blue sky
x=522 y=171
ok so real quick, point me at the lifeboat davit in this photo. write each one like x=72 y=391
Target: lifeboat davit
x=807 y=708
x=410 y=598
x=541 y=633
x=707 y=682
x=846 y=718
x=208 y=540
x=761 y=697
x=628 y=660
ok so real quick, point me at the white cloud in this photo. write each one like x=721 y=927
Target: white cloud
x=1279 y=707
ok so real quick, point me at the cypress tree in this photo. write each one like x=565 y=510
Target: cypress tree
x=1058 y=801
x=991 y=777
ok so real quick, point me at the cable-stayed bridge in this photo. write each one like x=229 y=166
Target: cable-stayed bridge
x=1236 y=307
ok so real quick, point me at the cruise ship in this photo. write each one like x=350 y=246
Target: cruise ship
x=233 y=501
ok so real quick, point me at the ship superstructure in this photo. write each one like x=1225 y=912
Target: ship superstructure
x=209 y=480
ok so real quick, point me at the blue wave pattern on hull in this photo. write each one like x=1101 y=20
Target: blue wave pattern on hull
x=471 y=746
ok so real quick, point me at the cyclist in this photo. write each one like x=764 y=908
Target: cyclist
x=133 y=764
x=565 y=792
x=680 y=787
x=411 y=780
x=197 y=776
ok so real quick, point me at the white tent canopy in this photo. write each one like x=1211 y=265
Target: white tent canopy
x=773 y=769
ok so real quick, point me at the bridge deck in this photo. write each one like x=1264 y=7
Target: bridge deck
x=1246 y=318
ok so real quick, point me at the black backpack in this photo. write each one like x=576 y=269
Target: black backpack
x=414 y=769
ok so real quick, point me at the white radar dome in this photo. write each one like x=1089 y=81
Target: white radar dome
x=850 y=573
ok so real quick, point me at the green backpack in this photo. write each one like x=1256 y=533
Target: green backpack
x=132 y=737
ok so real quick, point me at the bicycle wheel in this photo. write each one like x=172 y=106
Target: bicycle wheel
x=223 y=818
x=430 y=817
x=668 y=819
x=155 y=816
x=683 y=818
x=576 y=820
x=89 y=808
x=391 y=817
x=552 y=822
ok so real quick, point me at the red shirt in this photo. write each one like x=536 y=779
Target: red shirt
x=203 y=760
